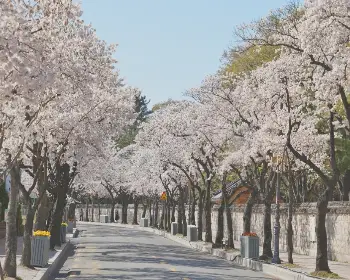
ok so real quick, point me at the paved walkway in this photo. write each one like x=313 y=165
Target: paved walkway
x=307 y=264
x=106 y=252
x=24 y=272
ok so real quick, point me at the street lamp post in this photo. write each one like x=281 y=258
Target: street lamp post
x=276 y=251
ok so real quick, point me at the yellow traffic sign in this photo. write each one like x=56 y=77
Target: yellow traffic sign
x=163 y=196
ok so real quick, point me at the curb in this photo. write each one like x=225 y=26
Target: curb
x=45 y=275
x=269 y=269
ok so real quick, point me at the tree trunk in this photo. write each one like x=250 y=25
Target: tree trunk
x=193 y=209
x=200 y=215
x=173 y=212
x=267 y=229
x=56 y=221
x=87 y=211
x=168 y=225
x=346 y=186
x=112 y=212
x=247 y=216
x=156 y=214
x=10 y=265
x=220 y=227
x=290 y=226
x=150 y=214
x=49 y=218
x=92 y=209
x=165 y=216
x=144 y=210
x=162 y=218
x=184 y=222
x=230 y=243
x=99 y=208
x=136 y=207
x=180 y=209
x=42 y=213
x=208 y=233
x=321 y=235
x=28 y=230
x=125 y=212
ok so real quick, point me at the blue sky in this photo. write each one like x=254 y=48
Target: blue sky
x=168 y=46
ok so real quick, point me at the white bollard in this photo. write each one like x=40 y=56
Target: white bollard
x=192 y=233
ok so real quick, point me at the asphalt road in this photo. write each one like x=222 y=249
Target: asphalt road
x=103 y=252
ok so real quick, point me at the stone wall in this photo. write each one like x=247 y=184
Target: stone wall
x=304 y=225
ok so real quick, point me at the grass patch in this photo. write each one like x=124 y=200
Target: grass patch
x=291 y=265
x=325 y=274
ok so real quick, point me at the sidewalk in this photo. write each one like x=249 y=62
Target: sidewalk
x=26 y=273
x=307 y=264
x=304 y=264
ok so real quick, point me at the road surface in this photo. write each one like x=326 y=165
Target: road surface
x=105 y=252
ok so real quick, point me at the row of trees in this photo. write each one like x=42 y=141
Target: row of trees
x=277 y=111
x=61 y=103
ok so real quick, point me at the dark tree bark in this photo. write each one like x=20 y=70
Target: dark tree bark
x=190 y=198
x=87 y=210
x=184 y=222
x=180 y=210
x=200 y=213
x=150 y=214
x=92 y=209
x=168 y=216
x=165 y=216
x=113 y=211
x=193 y=208
x=156 y=212
x=229 y=228
x=226 y=205
x=346 y=186
x=136 y=206
x=208 y=233
x=63 y=179
x=162 y=217
x=290 y=226
x=42 y=214
x=99 y=207
x=125 y=211
x=247 y=216
x=321 y=235
x=31 y=209
x=27 y=235
x=267 y=229
x=56 y=221
x=43 y=209
x=325 y=197
x=173 y=211
x=144 y=210
x=10 y=265
x=220 y=226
